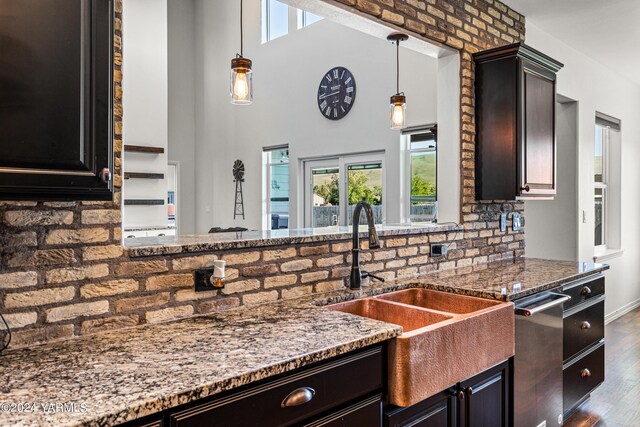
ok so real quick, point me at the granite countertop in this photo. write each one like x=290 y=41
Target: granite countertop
x=511 y=279
x=123 y=375
x=150 y=246
x=505 y=280
x=149 y=228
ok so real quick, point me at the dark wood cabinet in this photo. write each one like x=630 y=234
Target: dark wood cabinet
x=343 y=392
x=581 y=376
x=483 y=400
x=365 y=413
x=584 y=343
x=515 y=123
x=486 y=398
x=440 y=410
x=56 y=106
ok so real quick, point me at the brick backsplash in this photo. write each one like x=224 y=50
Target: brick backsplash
x=64 y=273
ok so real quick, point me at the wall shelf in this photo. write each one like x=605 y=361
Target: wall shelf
x=143 y=149
x=144 y=202
x=143 y=175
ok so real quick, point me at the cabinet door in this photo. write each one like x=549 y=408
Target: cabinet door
x=485 y=399
x=538 y=143
x=56 y=99
x=367 y=413
x=437 y=411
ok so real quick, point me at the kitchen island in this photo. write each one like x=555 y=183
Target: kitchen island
x=128 y=374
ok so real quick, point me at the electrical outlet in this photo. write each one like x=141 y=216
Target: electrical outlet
x=503 y=222
x=202 y=279
x=438 y=250
x=516 y=222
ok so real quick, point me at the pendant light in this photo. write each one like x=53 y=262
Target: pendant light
x=241 y=74
x=398 y=105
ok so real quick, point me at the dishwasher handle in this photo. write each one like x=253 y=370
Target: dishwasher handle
x=554 y=300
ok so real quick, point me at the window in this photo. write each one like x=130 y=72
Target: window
x=277 y=187
x=600 y=192
x=335 y=186
x=275 y=20
x=421 y=182
x=307 y=18
x=607 y=184
x=278 y=19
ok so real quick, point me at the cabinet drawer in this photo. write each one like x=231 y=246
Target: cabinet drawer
x=583 y=328
x=367 y=413
x=325 y=387
x=582 y=376
x=583 y=290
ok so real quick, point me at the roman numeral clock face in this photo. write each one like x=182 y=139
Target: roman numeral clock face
x=337 y=93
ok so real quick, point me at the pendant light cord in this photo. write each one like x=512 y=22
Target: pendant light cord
x=398 y=67
x=241 y=31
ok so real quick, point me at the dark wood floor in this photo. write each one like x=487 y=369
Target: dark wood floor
x=616 y=403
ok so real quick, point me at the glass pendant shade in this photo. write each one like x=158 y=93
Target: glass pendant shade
x=398 y=104
x=241 y=81
x=398 y=111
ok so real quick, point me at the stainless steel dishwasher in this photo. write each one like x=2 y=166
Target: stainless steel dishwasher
x=538 y=360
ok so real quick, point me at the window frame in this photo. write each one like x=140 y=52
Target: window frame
x=265 y=21
x=342 y=163
x=296 y=20
x=302 y=18
x=604 y=186
x=407 y=160
x=267 y=164
x=612 y=187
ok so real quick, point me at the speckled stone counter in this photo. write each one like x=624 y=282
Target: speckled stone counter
x=511 y=279
x=166 y=245
x=504 y=280
x=127 y=374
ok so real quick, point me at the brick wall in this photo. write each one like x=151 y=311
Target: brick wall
x=63 y=271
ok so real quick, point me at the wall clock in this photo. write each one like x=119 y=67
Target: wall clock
x=336 y=93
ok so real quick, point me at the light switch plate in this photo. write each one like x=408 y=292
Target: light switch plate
x=516 y=220
x=503 y=222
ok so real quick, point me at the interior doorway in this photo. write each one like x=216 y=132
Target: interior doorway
x=552 y=225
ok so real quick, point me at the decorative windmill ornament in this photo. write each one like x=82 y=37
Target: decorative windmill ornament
x=238 y=178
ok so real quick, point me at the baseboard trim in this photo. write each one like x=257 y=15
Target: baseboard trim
x=621 y=311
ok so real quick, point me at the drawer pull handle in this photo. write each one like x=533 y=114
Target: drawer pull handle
x=298 y=397
x=585 y=373
x=586 y=291
x=585 y=325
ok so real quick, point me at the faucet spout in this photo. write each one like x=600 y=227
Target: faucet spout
x=374 y=242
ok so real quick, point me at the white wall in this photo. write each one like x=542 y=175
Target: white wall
x=287 y=72
x=146 y=105
x=182 y=120
x=598 y=88
x=552 y=226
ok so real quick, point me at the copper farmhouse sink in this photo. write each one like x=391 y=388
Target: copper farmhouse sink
x=408 y=317
x=446 y=338
x=441 y=301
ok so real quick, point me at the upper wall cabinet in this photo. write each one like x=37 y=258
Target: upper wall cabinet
x=56 y=99
x=515 y=123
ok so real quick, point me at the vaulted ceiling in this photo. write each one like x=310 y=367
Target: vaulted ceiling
x=606 y=30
